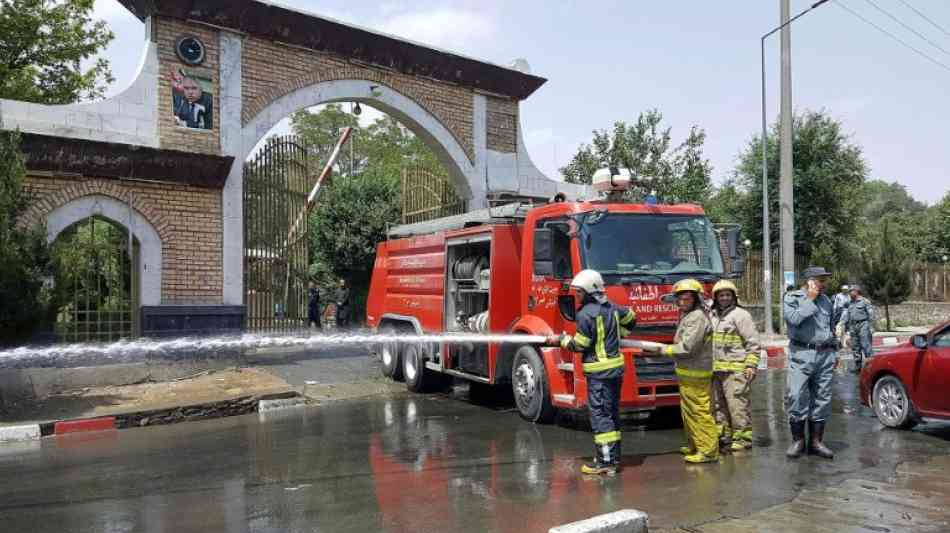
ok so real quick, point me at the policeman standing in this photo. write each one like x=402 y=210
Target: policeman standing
x=841 y=301
x=735 y=359
x=811 y=319
x=343 y=305
x=600 y=325
x=858 y=321
x=692 y=350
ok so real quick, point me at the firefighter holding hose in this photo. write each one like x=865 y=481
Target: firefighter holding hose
x=600 y=325
x=692 y=350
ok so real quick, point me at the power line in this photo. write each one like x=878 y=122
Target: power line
x=925 y=17
x=908 y=27
x=841 y=4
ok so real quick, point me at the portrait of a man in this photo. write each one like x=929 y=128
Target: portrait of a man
x=192 y=101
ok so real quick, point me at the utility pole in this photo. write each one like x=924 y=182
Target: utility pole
x=766 y=244
x=786 y=171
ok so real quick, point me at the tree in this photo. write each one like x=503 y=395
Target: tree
x=938 y=230
x=725 y=204
x=24 y=260
x=829 y=171
x=679 y=174
x=908 y=218
x=351 y=217
x=43 y=44
x=887 y=274
x=320 y=132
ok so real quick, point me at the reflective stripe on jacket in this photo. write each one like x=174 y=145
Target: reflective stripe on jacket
x=735 y=341
x=599 y=329
x=692 y=346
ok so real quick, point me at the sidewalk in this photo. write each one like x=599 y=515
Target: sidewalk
x=271 y=379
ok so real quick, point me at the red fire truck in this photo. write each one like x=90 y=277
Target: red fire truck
x=507 y=270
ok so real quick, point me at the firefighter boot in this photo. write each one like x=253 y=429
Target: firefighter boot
x=817 y=447
x=798 y=439
x=606 y=460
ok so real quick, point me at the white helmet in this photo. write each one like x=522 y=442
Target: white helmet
x=591 y=282
x=845 y=287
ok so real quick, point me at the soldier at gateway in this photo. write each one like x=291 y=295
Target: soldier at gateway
x=811 y=318
x=858 y=320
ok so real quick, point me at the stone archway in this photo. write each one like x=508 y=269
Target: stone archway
x=150 y=243
x=414 y=116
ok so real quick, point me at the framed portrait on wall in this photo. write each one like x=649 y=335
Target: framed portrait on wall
x=192 y=99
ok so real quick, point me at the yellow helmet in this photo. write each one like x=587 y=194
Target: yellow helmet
x=723 y=285
x=685 y=285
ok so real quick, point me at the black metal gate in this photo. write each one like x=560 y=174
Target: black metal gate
x=95 y=294
x=276 y=183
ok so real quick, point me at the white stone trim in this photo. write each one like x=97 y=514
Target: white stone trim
x=150 y=243
x=19 y=433
x=130 y=117
x=232 y=195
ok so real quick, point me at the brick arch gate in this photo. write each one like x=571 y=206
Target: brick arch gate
x=214 y=78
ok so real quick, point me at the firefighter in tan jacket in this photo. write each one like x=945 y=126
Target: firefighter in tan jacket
x=735 y=359
x=692 y=350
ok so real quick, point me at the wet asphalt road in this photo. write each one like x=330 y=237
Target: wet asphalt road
x=421 y=463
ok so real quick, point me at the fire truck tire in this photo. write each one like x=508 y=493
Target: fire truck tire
x=529 y=385
x=390 y=356
x=418 y=377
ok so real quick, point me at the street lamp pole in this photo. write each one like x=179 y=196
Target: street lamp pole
x=766 y=237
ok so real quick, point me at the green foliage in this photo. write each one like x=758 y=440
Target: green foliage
x=908 y=218
x=725 y=204
x=351 y=217
x=23 y=253
x=320 y=132
x=43 y=44
x=679 y=174
x=887 y=273
x=937 y=244
x=829 y=172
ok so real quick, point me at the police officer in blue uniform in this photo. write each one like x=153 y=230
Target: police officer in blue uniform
x=858 y=320
x=811 y=318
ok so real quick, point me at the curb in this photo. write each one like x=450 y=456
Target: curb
x=186 y=413
x=83 y=425
x=623 y=521
x=19 y=433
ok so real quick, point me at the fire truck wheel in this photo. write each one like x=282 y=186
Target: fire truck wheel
x=529 y=384
x=389 y=356
x=418 y=377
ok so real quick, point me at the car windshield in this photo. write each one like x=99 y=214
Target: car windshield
x=633 y=244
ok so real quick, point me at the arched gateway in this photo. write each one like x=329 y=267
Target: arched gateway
x=215 y=77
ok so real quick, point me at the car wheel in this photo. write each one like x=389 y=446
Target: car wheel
x=529 y=384
x=390 y=356
x=892 y=404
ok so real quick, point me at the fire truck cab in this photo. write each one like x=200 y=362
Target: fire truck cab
x=508 y=269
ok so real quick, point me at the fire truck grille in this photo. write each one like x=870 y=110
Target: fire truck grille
x=654 y=369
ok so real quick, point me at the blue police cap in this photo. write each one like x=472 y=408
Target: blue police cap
x=815 y=272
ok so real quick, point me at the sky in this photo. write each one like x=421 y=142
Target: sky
x=696 y=61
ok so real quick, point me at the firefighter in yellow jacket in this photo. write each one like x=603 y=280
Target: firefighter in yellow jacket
x=735 y=359
x=692 y=350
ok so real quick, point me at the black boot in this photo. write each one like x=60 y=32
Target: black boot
x=798 y=439
x=817 y=447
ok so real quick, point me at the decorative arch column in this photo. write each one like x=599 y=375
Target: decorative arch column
x=150 y=242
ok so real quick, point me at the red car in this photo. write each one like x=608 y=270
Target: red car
x=910 y=383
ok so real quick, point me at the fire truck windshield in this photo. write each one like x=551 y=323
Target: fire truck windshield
x=649 y=245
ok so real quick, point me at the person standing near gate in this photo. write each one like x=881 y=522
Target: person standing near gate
x=600 y=325
x=313 y=307
x=858 y=322
x=811 y=318
x=692 y=350
x=343 y=305
x=735 y=360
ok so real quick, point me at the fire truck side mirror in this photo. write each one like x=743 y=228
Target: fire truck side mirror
x=567 y=306
x=734 y=250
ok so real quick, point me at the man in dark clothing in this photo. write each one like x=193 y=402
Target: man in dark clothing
x=313 y=307
x=600 y=325
x=343 y=305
